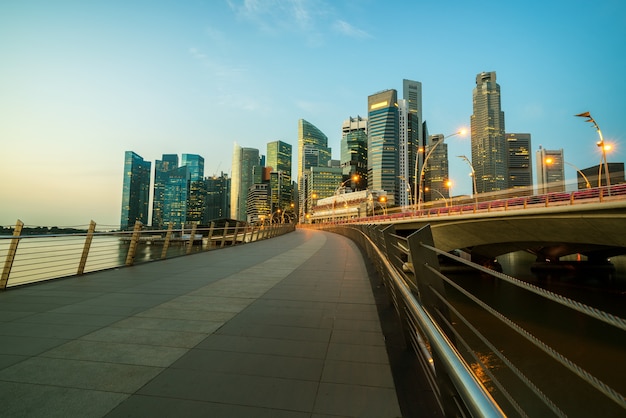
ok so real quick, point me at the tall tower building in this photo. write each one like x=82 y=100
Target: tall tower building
x=436 y=171
x=489 y=157
x=550 y=171
x=382 y=144
x=196 y=200
x=520 y=173
x=354 y=150
x=176 y=197
x=279 y=162
x=247 y=171
x=135 y=190
x=218 y=197
x=162 y=167
x=411 y=138
x=313 y=151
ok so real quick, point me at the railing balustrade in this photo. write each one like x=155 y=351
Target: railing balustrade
x=33 y=258
x=465 y=361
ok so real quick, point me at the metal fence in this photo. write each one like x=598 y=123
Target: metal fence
x=33 y=258
x=463 y=356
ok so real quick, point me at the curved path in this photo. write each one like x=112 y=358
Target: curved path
x=286 y=327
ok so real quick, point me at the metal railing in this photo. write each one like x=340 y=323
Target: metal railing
x=463 y=357
x=34 y=258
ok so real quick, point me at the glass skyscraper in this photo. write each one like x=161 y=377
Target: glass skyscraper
x=354 y=150
x=196 y=200
x=162 y=167
x=313 y=151
x=550 y=171
x=520 y=173
x=411 y=138
x=489 y=157
x=135 y=190
x=279 y=156
x=247 y=170
x=218 y=197
x=436 y=171
x=383 y=144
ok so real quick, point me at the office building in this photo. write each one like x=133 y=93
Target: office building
x=246 y=171
x=279 y=155
x=135 y=190
x=436 y=177
x=382 y=144
x=218 y=197
x=489 y=157
x=196 y=200
x=313 y=151
x=411 y=138
x=257 y=204
x=550 y=171
x=354 y=151
x=176 y=195
x=323 y=181
x=520 y=173
x=162 y=167
x=596 y=176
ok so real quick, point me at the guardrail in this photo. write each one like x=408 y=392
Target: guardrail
x=484 y=203
x=465 y=361
x=33 y=258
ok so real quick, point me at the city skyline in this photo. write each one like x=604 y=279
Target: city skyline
x=82 y=85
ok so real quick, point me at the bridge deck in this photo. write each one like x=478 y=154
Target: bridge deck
x=287 y=327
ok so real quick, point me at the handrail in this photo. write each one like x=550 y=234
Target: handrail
x=32 y=258
x=446 y=340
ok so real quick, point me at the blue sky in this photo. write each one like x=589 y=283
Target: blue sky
x=81 y=82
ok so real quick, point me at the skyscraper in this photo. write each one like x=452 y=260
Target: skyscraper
x=354 y=150
x=520 y=173
x=218 y=197
x=411 y=131
x=550 y=171
x=279 y=160
x=489 y=157
x=311 y=137
x=382 y=144
x=162 y=167
x=246 y=172
x=135 y=190
x=196 y=200
x=436 y=171
x=313 y=151
x=176 y=197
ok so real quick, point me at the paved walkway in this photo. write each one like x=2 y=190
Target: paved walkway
x=286 y=327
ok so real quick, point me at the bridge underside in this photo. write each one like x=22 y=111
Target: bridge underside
x=596 y=233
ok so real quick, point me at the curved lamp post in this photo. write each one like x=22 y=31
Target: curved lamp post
x=464 y=158
x=440 y=194
x=421 y=176
x=603 y=148
x=549 y=161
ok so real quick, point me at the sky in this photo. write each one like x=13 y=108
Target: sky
x=81 y=82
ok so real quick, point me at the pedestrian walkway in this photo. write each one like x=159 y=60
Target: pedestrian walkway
x=286 y=327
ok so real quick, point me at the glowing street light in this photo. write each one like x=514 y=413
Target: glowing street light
x=604 y=149
x=474 y=193
x=550 y=161
x=421 y=175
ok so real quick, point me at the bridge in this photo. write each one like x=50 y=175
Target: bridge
x=300 y=325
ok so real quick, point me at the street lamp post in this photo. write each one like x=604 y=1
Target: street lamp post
x=445 y=201
x=603 y=148
x=549 y=161
x=464 y=158
x=421 y=176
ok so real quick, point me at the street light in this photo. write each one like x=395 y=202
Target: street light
x=603 y=147
x=549 y=161
x=439 y=193
x=408 y=185
x=464 y=158
x=421 y=176
x=305 y=213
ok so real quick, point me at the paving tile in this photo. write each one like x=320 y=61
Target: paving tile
x=121 y=378
x=41 y=401
x=246 y=390
x=357 y=401
x=164 y=338
x=261 y=345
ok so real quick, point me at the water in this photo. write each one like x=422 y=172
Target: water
x=42 y=258
x=596 y=347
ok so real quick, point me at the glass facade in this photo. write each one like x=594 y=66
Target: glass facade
x=135 y=190
x=354 y=150
x=489 y=157
x=436 y=171
x=162 y=167
x=519 y=163
x=550 y=171
x=279 y=155
x=382 y=144
x=196 y=200
x=217 y=198
x=246 y=172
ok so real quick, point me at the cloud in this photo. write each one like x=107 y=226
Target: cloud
x=276 y=16
x=216 y=67
x=347 y=29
